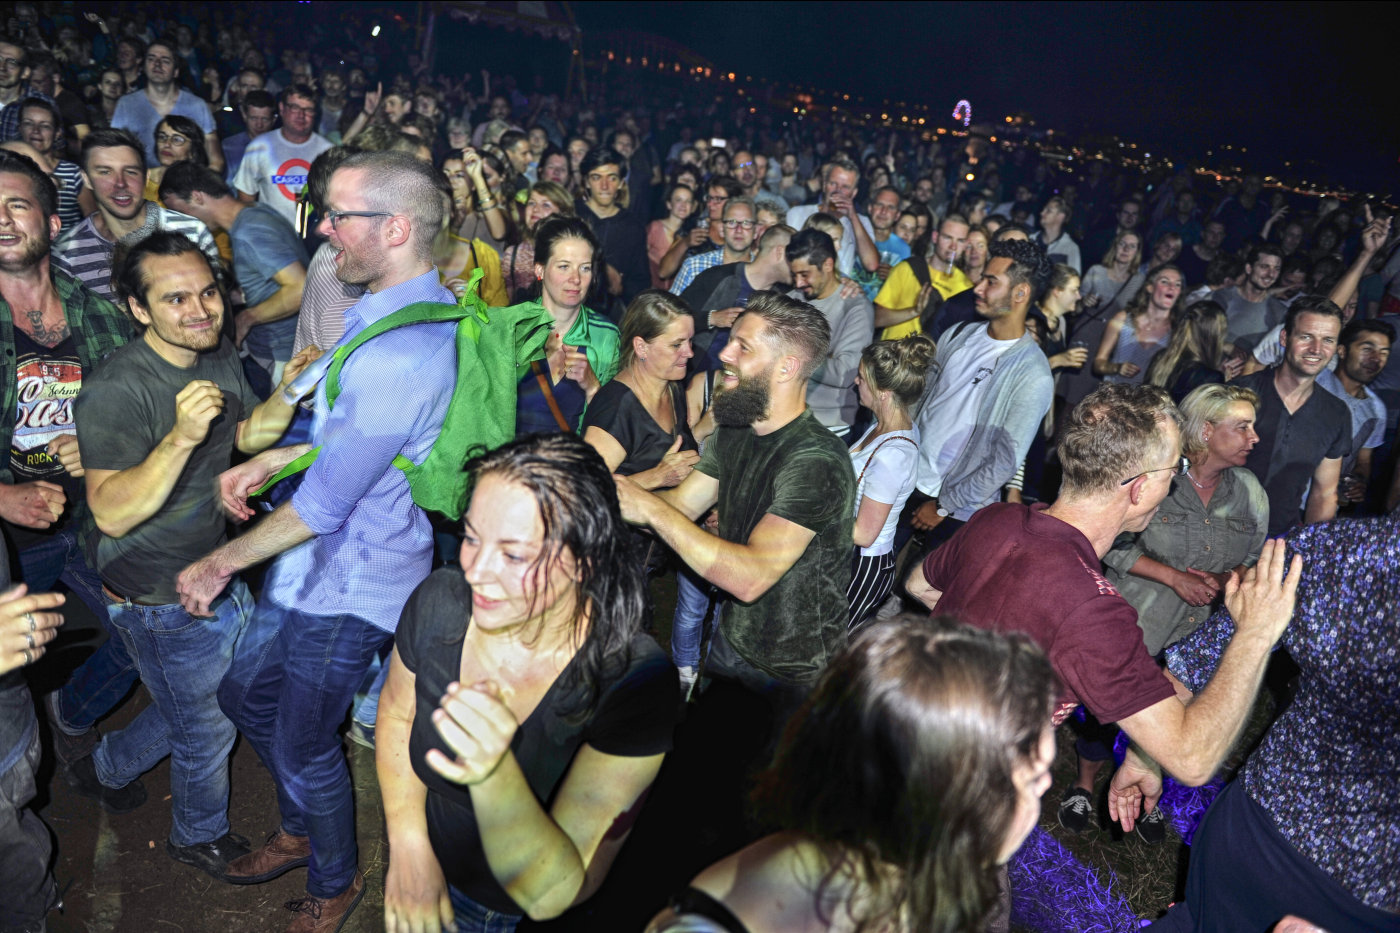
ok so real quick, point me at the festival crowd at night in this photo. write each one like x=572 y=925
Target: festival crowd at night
x=608 y=494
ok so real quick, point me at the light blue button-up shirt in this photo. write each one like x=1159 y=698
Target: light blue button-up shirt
x=373 y=545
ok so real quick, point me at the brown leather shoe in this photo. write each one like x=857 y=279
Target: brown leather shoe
x=279 y=855
x=317 y=915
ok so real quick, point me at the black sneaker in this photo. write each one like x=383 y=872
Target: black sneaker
x=1076 y=812
x=1152 y=827
x=212 y=858
x=81 y=775
x=68 y=745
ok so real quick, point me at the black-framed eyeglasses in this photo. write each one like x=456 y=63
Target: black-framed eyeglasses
x=736 y=224
x=1178 y=469
x=335 y=216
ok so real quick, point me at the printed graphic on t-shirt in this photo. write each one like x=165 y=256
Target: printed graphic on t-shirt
x=47 y=388
x=290 y=177
x=1105 y=588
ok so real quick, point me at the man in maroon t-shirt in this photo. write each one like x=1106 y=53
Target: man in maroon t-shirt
x=1036 y=570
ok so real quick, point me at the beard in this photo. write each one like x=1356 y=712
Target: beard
x=35 y=250
x=199 y=341
x=355 y=270
x=746 y=403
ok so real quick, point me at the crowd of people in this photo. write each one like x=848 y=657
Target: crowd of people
x=943 y=439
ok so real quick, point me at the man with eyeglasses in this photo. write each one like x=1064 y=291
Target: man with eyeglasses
x=721 y=191
x=751 y=175
x=1036 y=569
x=350 y=544
x=274 y=167
x=144 y=108
x=14 y=88
x=269 y=261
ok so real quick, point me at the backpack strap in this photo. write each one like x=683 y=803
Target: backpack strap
x=466 y=315
x=919 y=266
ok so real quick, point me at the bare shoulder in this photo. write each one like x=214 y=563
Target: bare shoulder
x=773 y=886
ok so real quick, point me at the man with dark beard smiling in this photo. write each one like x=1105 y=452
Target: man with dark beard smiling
x=785 y=491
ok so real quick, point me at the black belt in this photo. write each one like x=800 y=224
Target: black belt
x=117 y=597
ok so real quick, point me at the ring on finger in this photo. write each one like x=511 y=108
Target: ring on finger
x=28 y=656
x=30 y=637
x=30 y=617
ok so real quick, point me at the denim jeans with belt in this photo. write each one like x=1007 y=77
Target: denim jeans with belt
x=288 y=690
x=182 y=659
x=103 y=679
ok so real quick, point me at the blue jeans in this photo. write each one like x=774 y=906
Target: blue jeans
x=367 y=711
x=109 y=674
x=182 y=661
x=287 y=690
x=478 y=918
x=693 y=602
x=27 y=889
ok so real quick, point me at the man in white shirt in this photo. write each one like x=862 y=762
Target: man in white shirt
x=275 y=164
x=840 y=177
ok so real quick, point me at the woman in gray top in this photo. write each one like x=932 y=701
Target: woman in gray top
x=1134 y=335
x=1213 y=521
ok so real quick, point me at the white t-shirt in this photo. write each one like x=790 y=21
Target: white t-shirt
x=846 y=258
x=275 y=170
x=949 y=415
x=886 y=468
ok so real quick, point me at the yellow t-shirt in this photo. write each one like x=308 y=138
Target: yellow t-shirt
x=901 y=290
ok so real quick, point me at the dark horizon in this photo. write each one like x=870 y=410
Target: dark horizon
x=1187 y=77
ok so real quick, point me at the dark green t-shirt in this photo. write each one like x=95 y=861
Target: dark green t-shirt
x=800 y=472
x=126 y=407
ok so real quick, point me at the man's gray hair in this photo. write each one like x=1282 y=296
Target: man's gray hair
x=402 y=184
x=1114 y=433
x=736 y=202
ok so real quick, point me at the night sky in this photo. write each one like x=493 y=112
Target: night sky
x=1285 y=81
